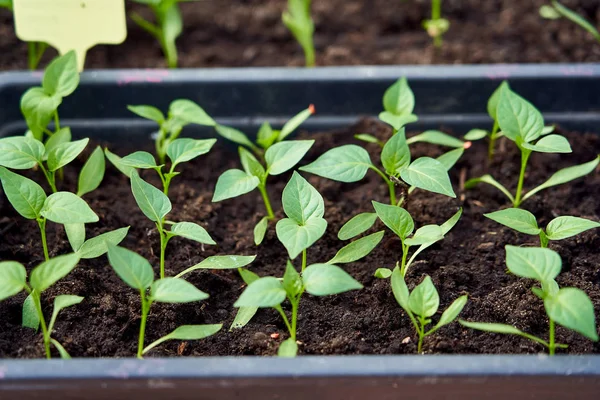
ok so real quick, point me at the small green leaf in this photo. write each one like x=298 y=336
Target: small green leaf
x=61 y=137
x=49 y=272
x=139 y=159
x=399 y=98
x=75 y=235
x=518 y=118
x=38 y=108
x=327 y=279
x=533 y=262
x=382 y=273
x=395 y=155
x=493 y=327
x=187 y=332
x=60 y=303
x=148 y=112
x=476 y=134
x=250 y=164
x=248 y=276
x=452 y=312
x=549 y=12
x=492 y=105
x=266 y=135
x=242 y=317
x=400 y=290
x=301 y=201
x=565 y=227
x=283 y=156
x=116 y=161
x=220 y=262
x=358 y=249
x=428 y=174
x=175 y=290
x=451 y=222
x=260 y=230
x=68 y=208
x=573 y=309
x=437 y=137
x=348 y=163
x=449 y=159
x=471 y=183
x=517 y=219
x=13 y=278
x=132 y=268
x=365 y=137
x=294 y=123
x=292 y=282
x=297 y=238
x=550 y=144
x=61 y=76
x=26 y=196
x=188 y=112
x=30 y=316
x=152 y=201
x=425 y=234
x=97 y=246
x=64 y=153
x=357 y=225
x=183 y=150
x=20 y=152
x=234 y=183
x=92 y=173
x=424 y=299
x=192 y=231
x=395 y=218
x=64 y=355
x=576 y=18
x=234 y=135
x=288 y=349
x=264 y=292
x=397 y=121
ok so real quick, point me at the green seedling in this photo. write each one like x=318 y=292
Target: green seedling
x=13 y=280
x=559 y=228
x=167 y=27
x=298 y=20
x=555 y=10
x=35 y=50
x=137 y=272
x=422 y=303
x=522 y=123
x=181 y=113
x=569 y=307
x=436 y=26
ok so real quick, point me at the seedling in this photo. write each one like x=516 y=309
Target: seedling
x=559 y=228
x=137 y=272
x=436 y=26
x=181 y=113
x=422 y=303
x=298 y=20
x=522 y=123
x=13 y=278
x=569 y=307
x=556 y=10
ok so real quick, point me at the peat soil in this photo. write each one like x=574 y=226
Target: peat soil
x=470 y=260
x=240 y=33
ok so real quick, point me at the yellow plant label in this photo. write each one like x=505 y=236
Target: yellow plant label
x=71 y=24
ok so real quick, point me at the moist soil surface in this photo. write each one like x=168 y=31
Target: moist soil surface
x=239 y=33
x=470 y=260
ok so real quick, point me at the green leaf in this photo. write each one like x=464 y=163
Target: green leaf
x=264 y=292
x=220 y=262
x=250 y=164
x=348 y=163
x=26 y=196
x=395 y=218
x=75 y=235
x=550 y=144
x=424 y=299
x=20 y=152
x=533 y=262
x=152 y=201
x=64 y=153
x=297 y=238
x=437 y=137
x=395 y=155
x=183 y=150
x=139 y=159
x=428 y=174
x=248 y=276
x=68 y=208
x=449 y=159
x=188 y=112
x=382 y=273
x=292 y=282
x=283 y=156
x=187 y=332
x=38 y=108
x=358 y=249
x=266 y=135
x=171 y=27
x=148 y=112
x=327 y=279
x=192 y=231
x=49 y=272
x=234 y=135
x=517 y=219
x=495 y=328
x=365 y=137
x=61 y=350
x=61 y=137
x=13 y=278
x=471 y=183
x=288 y=349
x=92 y=173
x=175 y=290
x=425 y=234
x=243 y=317
x=565 y=175
x=548 y=129
x=565 y=227
x=400 y=290
x=295 y=122
x=234 y=183
x=518 y=118
x=397 y=121
x=61 y=76
x=573 y=309
x=97 y=246
x=60 y=303
x=492 y=105
x=30 y=316
x=576 y=18
x=116 y=161
x=476 y=134
x=260 y=230
x=399 y=98
x=548 y=12
x=132 y=268
x=452 y=312
x=357 y=225
x=301 y=201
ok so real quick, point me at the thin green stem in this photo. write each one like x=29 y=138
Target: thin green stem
x=49 y=177
x=42 y=224
x=285 y=319
x=38 y=306
x=295 y=305
x=492 y=144
x=391 y=186
x=543 y=239
x=164 y=239
x=263 y=191
x=524 y=158
x=309 y=55
x=404 y=255
x=166 y=181
x=145 y=311
x=303 y=260
x=421 y=332
x=436 y=14
x=56 y=122
x=551 y=339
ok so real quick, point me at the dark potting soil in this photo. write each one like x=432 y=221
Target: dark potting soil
x=470 y=260
x=239 y=33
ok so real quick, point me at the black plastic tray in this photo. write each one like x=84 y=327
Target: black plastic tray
x=453 y=97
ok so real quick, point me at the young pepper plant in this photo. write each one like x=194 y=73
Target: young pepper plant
x=299 y=22
x=436 y=26
x=556 y=10
x=559 y=228
x=422 y=303
x=137 y=273
x=569 y=307
x=13 y=280
x=522 y=123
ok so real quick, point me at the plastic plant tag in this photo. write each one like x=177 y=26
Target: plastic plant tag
x=71 y=24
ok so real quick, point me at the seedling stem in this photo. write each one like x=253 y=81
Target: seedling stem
x=436 y=14
x=145 y=311
x=265 y=196
x=42 y=224
x=525 y=153
x=38 y=307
